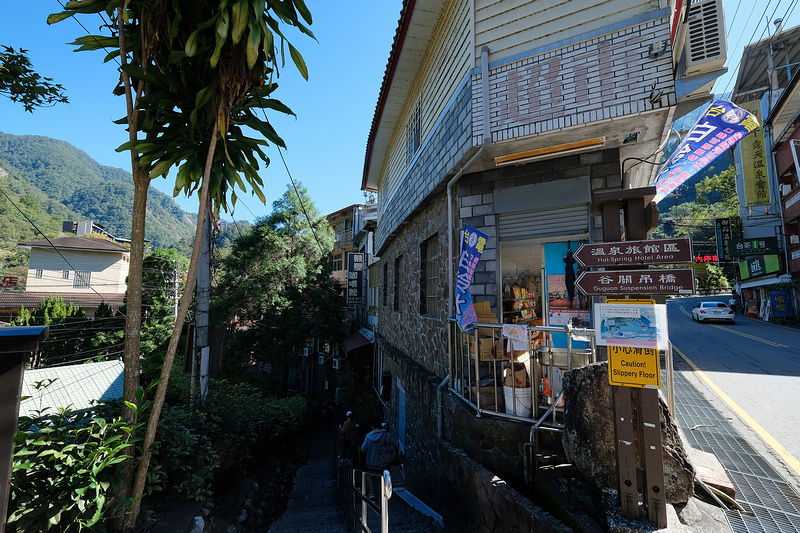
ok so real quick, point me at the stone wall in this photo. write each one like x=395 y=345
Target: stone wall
x=447 y=476
x=423 y=337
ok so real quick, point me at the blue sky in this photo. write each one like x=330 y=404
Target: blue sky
x=326 y=142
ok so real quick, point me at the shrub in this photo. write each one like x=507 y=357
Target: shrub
x=66 y=469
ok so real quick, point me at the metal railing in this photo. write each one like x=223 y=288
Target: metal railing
x=355 y=499
x=491 y=379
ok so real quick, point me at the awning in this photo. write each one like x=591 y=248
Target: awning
x=772 y=280
x=354 y=341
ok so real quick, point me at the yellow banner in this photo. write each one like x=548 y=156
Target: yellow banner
x=754 y=161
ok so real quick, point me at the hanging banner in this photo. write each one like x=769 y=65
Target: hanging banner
x=718 y=129
x=472 y=244
x=754 y=162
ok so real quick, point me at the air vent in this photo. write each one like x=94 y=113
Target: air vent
x=322 y=359
x=338 y=363
x=706 y=46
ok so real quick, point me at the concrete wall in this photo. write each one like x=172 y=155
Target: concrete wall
x=108 y=271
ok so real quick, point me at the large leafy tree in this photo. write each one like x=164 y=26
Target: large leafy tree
x=277 y=280
x=21 y=83
x=194 y=74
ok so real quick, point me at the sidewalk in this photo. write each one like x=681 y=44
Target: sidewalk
x=313 y=505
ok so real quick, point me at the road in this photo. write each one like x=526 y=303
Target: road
x=750 y=372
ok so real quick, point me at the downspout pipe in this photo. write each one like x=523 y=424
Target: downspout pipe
x=487 y=139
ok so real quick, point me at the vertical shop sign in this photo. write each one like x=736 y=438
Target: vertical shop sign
x=718 y=129
x=724 y=233
x=781 y=304
x=355 y=278
x=472 y=244
x=754 y=162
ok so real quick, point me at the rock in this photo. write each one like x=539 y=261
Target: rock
x=198 y=526
x=590 y=444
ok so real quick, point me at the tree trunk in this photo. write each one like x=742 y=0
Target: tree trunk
x=129 y=524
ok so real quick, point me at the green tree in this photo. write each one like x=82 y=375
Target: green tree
x=20 y=83
x=193 y=74
x=277 y=280
x=716 y=279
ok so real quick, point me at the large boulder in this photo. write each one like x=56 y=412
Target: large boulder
x=589 y=441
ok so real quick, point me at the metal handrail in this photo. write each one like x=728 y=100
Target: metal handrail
x=353 y=496
x=466 y=371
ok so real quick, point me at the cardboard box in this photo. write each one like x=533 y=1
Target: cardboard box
x=488 y=350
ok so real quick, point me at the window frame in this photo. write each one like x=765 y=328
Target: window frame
x=430 y=256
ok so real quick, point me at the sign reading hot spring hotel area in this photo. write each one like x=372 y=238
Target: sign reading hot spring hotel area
x=651 y=252
x=633 y=331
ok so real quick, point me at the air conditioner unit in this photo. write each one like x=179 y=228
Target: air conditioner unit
x=786 y=188
x=706 y=47
x=794 y=239
x=338 y=364
x=305 y=352
x=322 y=359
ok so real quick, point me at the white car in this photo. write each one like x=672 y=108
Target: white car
x=713 y=311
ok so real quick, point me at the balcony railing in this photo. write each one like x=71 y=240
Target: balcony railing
x=519 y=384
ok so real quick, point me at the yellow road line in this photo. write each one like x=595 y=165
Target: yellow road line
x=793 y=463
x=746 y=335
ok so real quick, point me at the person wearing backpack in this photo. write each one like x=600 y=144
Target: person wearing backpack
x=373 y=442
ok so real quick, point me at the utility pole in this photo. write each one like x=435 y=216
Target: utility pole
x=201 y=348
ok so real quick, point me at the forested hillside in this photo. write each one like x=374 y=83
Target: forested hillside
x=69 y=185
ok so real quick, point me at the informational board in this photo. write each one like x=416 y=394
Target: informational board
x=631 y=323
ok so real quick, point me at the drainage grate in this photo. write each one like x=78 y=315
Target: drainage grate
x=774 y=505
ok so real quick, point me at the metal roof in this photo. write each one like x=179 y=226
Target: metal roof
x=75 y=387
x=754 y=67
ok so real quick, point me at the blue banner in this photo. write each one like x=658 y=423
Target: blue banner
x=472 y=244
x=781 y=304
x=718 y=129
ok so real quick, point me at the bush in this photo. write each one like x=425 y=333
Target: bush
x=249 y=422
x=66 y=470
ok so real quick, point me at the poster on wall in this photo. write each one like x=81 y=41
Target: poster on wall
x=564 y=302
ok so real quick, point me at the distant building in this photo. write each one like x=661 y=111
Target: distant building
x=81 y=270
x=767 y=163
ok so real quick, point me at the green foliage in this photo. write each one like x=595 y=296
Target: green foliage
x=66 y=470
x=184 y=458
x=276 y=279
x=716 y=198
x=20 y=83
x=716 y=279
x=251 y=423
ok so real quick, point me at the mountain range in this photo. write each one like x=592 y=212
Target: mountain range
x=67 y=184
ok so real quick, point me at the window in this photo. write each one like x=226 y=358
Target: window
x=65 y=274
x=398 y=263
x=413 y=134
x=38 y=273
x=385 y=284
x=82 y=280
x=429 y=276
x=338 y=262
